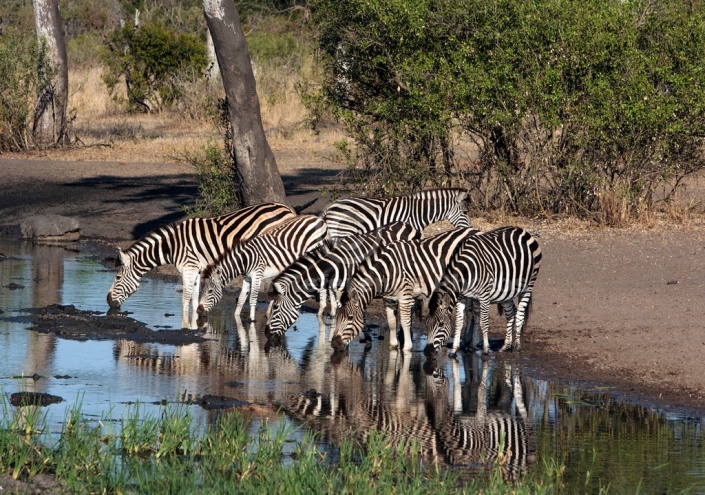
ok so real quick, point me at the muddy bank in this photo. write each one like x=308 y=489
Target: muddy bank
x=68 y=322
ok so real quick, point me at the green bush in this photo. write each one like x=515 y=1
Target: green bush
x=540 y=106
x=19 y=58
x=152 y=60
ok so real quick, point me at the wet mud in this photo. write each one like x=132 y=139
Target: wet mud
x=71 y=323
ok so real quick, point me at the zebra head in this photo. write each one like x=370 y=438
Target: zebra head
x=283 y=312
x=127 y=280
x=212 y=284
x=439 y=322
x=458 y=212
x=348 y=322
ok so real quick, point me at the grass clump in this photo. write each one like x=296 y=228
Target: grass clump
x=164 y=454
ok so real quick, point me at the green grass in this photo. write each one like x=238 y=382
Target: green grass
x=144 y=453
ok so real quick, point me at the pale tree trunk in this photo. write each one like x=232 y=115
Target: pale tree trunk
x=253 y=157
x=213 y=68
x=49 y=127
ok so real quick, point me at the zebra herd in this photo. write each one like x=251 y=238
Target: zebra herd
x=356 y=250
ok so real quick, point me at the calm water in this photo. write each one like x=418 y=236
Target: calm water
x=455 y=410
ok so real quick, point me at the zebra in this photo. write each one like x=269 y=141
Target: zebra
x=399 y=272
x=492 y=267
x=350 y=216
x=317 y=272
x=190 y=245
x=265 y=256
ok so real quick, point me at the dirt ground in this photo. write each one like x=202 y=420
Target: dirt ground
x=616 y=308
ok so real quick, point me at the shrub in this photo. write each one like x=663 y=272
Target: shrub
x=19 y=59
x=541 y=106
x=150 y=60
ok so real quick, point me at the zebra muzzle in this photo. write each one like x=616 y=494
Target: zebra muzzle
x=113 y=303
x=430 y=350
x=201 y=310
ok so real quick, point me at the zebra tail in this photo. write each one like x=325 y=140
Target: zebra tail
x=299 y=209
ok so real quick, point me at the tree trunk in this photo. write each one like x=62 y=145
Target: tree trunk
x=49 y=127
x=253 y=157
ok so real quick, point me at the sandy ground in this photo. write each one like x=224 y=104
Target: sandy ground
x=618 y=308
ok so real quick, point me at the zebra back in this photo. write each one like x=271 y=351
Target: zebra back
x=319 y=270
x=350 y=216
x=272 y=252
x=410 y=268
x=420 y=262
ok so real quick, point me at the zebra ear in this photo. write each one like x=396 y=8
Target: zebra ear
x=462 y=196
x=124 y=259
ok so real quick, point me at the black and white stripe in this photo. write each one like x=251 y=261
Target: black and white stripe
x=190 y=245
x=493 y=267
x=265 y=256
x=399 y=272
x=350 y=216
x=319 y=272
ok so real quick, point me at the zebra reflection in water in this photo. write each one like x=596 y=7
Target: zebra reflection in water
x=470 y=426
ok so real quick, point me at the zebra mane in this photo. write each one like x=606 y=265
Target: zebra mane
x=208 y=270
x=438 y=189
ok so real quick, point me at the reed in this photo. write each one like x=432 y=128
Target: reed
x=169 y=454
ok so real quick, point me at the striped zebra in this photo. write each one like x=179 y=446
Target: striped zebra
x=492 y=267
x=350 y=216
x=190 y=245
x=265 y=256
x=319 y=272
x=399 y=273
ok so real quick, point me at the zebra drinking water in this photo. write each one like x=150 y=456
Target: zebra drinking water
x=263 y=257
x=493 y=267
x=399 y=272
x=318 y=272
x=190 y=245
x=350 y=216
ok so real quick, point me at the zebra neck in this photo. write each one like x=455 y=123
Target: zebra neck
x=235 y=263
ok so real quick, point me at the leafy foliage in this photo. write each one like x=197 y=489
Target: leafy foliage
x=541 y=106
x=151 y=59
x=19 y=59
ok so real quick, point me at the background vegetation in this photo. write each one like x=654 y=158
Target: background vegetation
x=545 y=107
x=540 y=107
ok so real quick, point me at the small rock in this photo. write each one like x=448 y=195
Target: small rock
x=672 y=282
x=50 y=228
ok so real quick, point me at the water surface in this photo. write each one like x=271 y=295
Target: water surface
x=456 y=410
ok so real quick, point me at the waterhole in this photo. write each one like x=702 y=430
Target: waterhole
x=461 y=412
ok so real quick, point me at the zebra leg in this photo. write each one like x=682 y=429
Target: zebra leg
x=510 y=311
x=189 y=297
x=485 y=324
x=406 y=304
x=476 y=330
x=390 y=307
x=520 y=319
x=255 y=285
x=459 y=317
x=242 y=298
x=334 y=298
x=323 y=296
